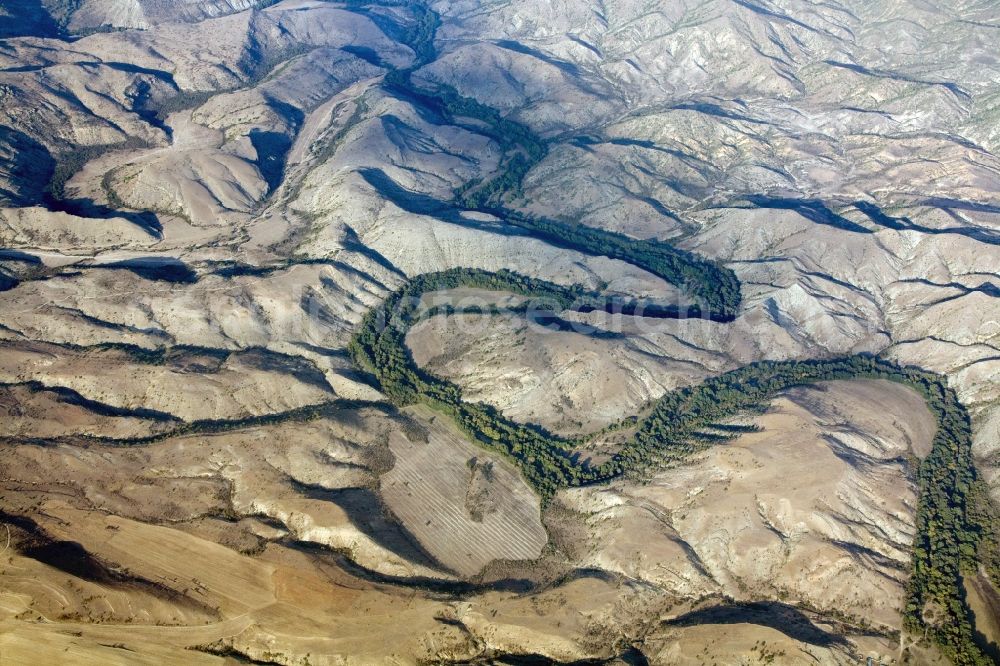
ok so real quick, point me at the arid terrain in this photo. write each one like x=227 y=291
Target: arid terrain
x=212 y=451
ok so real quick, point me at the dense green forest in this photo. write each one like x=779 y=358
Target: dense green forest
x=949 y=529
x=714 y=288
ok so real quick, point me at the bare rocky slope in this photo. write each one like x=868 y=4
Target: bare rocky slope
x=200 y=200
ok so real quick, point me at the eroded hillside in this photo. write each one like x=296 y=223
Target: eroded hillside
x=201 y=201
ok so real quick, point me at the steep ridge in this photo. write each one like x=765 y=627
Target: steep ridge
x=379 y=349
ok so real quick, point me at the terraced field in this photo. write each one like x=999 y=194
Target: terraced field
x=465 y=506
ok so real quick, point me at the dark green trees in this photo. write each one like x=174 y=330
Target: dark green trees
x=948 y=530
